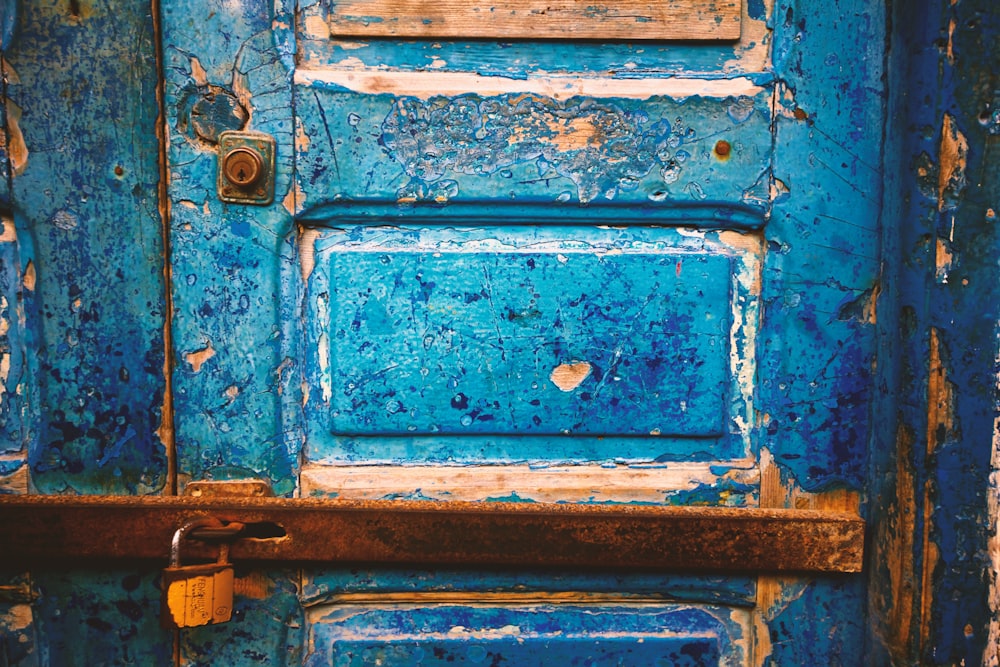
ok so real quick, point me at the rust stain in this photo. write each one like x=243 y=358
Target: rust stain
x=940 y=398
x=199 y=357
x=954 y=153
x=737 y=539
x=255 y=585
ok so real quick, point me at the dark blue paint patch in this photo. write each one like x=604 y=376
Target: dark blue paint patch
x=834 y=633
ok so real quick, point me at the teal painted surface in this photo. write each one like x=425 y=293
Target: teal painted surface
x=232 y=352
x=422 y=341
x=823 y=257
x=82 y=311
x=518 y=60
x=518 y=149
x=84 y=197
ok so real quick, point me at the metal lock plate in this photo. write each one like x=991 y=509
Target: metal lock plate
x=246 y=168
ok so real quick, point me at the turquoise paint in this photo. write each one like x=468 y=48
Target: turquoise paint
x=85 y=387
x=530 y=149
x=231 y=421
x=487 y=331
x=520 y=59
x=85 y=204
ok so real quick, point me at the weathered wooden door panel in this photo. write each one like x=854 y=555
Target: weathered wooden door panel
x=555 y=270
x=531 y=635
x=565 y=345
x=533 y=272
x=515 y=287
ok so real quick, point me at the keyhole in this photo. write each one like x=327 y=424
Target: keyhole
x=242 y=167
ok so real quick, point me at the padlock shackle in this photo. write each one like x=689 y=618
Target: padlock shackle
x=182 y=532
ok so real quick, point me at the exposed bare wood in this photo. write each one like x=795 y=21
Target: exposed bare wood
x=691 y=538
x=531 y=19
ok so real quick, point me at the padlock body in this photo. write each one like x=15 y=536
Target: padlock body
x=196 y=595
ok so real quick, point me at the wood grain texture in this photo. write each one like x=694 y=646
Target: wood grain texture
x=532 y=19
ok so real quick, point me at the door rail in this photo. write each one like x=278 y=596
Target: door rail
x=61 y=529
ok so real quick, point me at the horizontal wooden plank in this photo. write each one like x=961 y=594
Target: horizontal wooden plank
x=40 y=528
x=628 y=20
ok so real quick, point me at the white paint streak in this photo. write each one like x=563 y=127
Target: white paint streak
x=323 y=348
x=351 y=74
x=579 y=483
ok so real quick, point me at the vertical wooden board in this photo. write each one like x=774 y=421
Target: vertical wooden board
x=934 y=552
x=230 y=262
x=822 y=265
x=86 y=197
x=821 y=286
x=234 y=296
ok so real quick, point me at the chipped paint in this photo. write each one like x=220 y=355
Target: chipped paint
x=431 y=84
x=991 y=655
x=940 y=397
x=307 y=251
x=197 y=358
x=953 y=155
x=673 y=483
x=569 y=376
x=12 y=141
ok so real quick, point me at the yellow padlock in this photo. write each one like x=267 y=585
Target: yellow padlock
x=194 y=595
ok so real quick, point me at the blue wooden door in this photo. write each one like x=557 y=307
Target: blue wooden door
x=570 y=266
x=529 y=270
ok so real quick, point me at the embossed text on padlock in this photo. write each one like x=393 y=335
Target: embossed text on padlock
x=194 y=595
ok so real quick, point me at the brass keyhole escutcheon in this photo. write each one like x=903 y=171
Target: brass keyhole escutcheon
x=242 y=167
x=246 y=168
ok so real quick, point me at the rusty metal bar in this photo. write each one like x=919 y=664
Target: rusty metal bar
x=63 y=528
